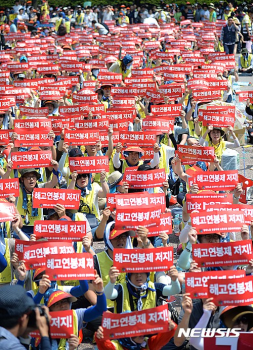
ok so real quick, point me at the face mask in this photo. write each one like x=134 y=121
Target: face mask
x=95 y=72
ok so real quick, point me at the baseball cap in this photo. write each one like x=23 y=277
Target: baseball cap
x=14 y=301
x=59 y=295
x=75 y=152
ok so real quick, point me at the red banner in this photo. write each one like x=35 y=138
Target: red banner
x=158 y=125
x=196 y=282
x=81 y=137
x=222 y=254
x=137 y=138
x=212 y=222
x=135 y=324
x=100 y=124
x=143 y=260
x=216 y=180
x=144 y=179
x=9 y=187
x=201 y=201
x=206 y=95
x=20 y=245
x=7 y=102
x=142 y=199
x=49 y=197
x=110 y=78
x=195 y=154
x=4 y=138
x=218 y=119
x=244 y=95
x=76 y=266
x=31 y=159
x=35 y=255
x=232 y=343
x=60 y=230
x=89 y=164
x=74 y=109
x=165 y=225
x=133 y=218
x=33 y=132
x=7 y=210
x=234 y=292
x=172 y=110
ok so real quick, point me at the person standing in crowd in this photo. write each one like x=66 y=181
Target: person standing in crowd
x=228 y=36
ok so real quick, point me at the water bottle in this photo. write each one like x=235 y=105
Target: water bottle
x=181 y=188
x=246 y=136
x=176 y=224
x=180 y=218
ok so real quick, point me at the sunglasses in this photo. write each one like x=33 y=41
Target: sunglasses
x=82 y=176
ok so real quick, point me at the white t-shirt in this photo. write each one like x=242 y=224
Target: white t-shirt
x=151 y=21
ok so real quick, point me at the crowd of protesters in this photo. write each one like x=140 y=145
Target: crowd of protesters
x=121 y=125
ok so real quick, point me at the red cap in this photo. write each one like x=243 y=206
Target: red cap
x=134 y=149
x=59 y=295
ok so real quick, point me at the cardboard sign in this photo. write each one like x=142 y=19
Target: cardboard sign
x=20 y=245
x=7 y=210
x=216 y=180
x=201 y=201
x=135 y=324
x=213 y=222
x=143 y=260
x=33 y=132
x=76 y=266
x=206 y=95
x=49 y=197
x=35 y=255
x=100 y=124
x=81 y=137
x=144 y=179
x=234 y=292
x=165 y=225
x=195 y=154
x=109 y=77
x=222 y=254
x=142 y=199
x=133 y=218
x=89 y=165
x=137 y=138
x=9 y=187
x=220 y=120
x=57 y=230
x=74 y=109
x=172 y=110
x=196 y=282
x=31 y=159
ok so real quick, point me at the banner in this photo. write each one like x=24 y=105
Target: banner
x=205 y=95
x=201 y=201
x=49 y=197
x=33 y=133
x=172 y=110
x=159 y=126
x=141 y=199
x=60 y=230
x=35 y=255
x=76 y=266
x=143 y=260
x=9 y=187
x=31 y=159
x=100 y=124
x=20 y=245
x=81 y=137
x=165 y=225
x=89 y=165
x=196 y=282
x=216 y=180
x=195 y=154
x=234 y=292
x=218 y=119
x=135 y=324
x=144 y=179
x=212 y=222
x=133 y=218
x=7 y=210
x=33 y=111
x=222 y=254
x=4 y=138
x=137 y=138
x=231 y=343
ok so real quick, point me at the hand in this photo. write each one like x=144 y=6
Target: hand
x=173 y=273
x=113 y=274
x=15 y=260
x=41 y=321
x=14 y=136
x=156 y=148
x=55 y=164
x=192 y=236
x=51 y=135
x=210 y=128
x=172 y=325
x=176 y=165
x=119 y=147
x=44 y=284
x=98 y=284
x=238 y=190
x=16 y=222
x=209 y=305
x=182 y=114
x=100 y=333
x=187 y=304
x=21 y=269
x=9 y=165
x=194 y=267
x=165 y=186
x=102 y=176
x=86 y=243
x=249 y=268
x=142 y=233
x=248 y=102
x=194 y=189
x=33 y=237
x=110 y=132
x=229 y=129
x=245 y=232
x=73 y=342
x=74 y=176
x=106 y=214
x=164 y=237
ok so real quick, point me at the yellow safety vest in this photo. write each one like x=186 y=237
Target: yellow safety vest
x=2 y=20
x=162 y=160
x=125 y=165
x=246 y=20
x=57 y=24
x=5 y=275
x=245 y=63
x=148 y=302
x=119 y=347
x=87 y=204
x=67 y=25
x=80 y=18
x=218 y=149
x=23 y=212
